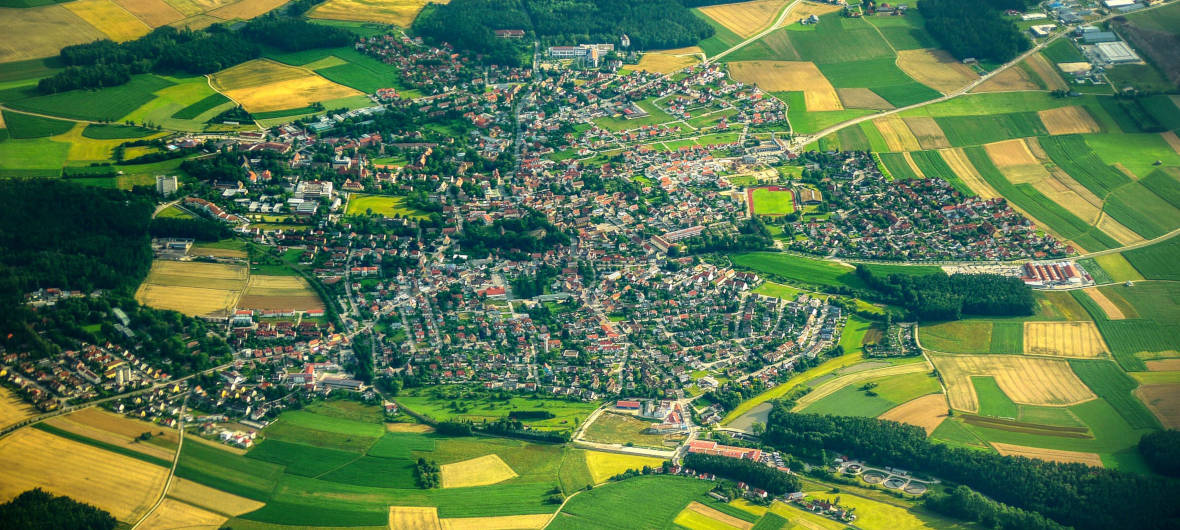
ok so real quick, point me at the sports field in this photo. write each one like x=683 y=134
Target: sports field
x=936 y=69
x=193 y=288
x=1063 y=339
x=745 y=18
x=769 y=201
x=927 y=412
x=1026 y=380
x=262 y=85
x=397 y=12
x=790 y=76
x=279 y=293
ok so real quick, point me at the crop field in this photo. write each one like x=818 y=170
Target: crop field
x=1026 y=380
x=117 y=23
x=13 y=409
x=799 y=270
x=898 y=165
x=665 y=63
x=387 y=206
x=697 y=515
x=957 y=336
x=611 y=428
x=862 y=98
x=643 y=502
x=1068 y=120
x=193 y=288
x=773 y=202
x=935 y=69
x=804 y=121
x=1108 y=307
x=482 y=471
x=1164 y=402
x=887 y=378
x=398 y=12
x=1039 y=65
x=42 y=31
x=1165 y=183
x=1010 y=80
x=114 y=429
x=263 y=85
x=1136 y=152
x=184 y=106
x=279 y=292
x=927 y=132
x=957 y=160
x=154 y=13
x=123 y=486
x=1116 y=388
x=414 y=517
x=932 y=165
x=926 y=412
x=245 y=9
x=964 y=131
x=1049 y=455
x=215 y=500
x=1137 y=208
x=107 y=104
x=786 y=76
x=1075 y=157
x=503 y=522
x=745 y=18
x=605 y=465
x=1063 y=339
x=1157 y=262
x=24 y=126
x=477 y=407
x=175 y=514
x=897 y=135
x=1117 y=266
x=882 y=76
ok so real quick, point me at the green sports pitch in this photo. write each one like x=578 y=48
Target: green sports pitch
x=772 y=201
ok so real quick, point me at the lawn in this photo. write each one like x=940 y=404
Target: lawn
x=106 y=104
x=768 y=202
x=384 y=205
x=778 y=290
x=792 y=269
x=655 y=116
x=643 y=502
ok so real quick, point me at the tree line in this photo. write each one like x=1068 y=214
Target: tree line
x=753 y=473
x=38 y=509
x=1071 y=494
x=198 y=229
x=975 y=29
x=938 y=296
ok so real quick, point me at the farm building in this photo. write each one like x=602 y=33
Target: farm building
x=1117 y=3
x=1115 y=53
x=1094 y=37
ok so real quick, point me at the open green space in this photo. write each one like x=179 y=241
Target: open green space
x=643 y=502
x=106 y=104
x=202 y=106
x=792 y=269
x=1155 y=331
x=768 y=202
x=1158 y=261
x=1115 y=387
x=884 y=394
x=478 y=405
x=116 y=132
x=384 y=205
x=622 y=429
x=804 y=121
x=25 y=126
x=992 y=400
x=655 y=116
x=905 y=32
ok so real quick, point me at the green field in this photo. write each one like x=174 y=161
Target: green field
x=722 y=39
x=1137 y=208
x=959 y=336
x=933 y=166
x=107 y=104
x=1158 y=261
x=1136 y=152
x=1156 y=331
x=767 y=202
x=299 y=459
x=25 y=126
x=200 y=107
x=890 y=391
x=792 y=269
x=1115 y=387
x=992 y=400
x=803 y=121
x=476 y=405
x=882 y=76
x=897 y=166
x=643 y=502
x=622 y=429
x=116 y=132
x=964 y=131
x=778 y=290
x=904 y=33
x=655 y=116
x=37 y=157
x=1073 y=155
x=384 y=205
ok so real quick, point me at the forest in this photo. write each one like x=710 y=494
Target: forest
x=1071 y=494
x=529 y=233
x=975 y=29
x=753 y=473
x=198 y=229
x=967 y=504
x=941 y=297
x=1161 y=450
x=38 y=509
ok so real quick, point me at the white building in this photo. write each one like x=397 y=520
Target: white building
x=1117 y=3
x=166 y=184
x=1115 y=52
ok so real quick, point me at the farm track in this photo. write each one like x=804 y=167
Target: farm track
x=172 y=470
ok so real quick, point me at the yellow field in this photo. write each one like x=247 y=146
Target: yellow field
x=190 y=8
x=279 y=292
x=830 y=386
x=1064 y=339
x=909 y=160
x=1009 y=80
x=928 y=133
x=175 y=514
x=897 y=135
x=935 y=69
x=862 y=98
x=1172 y=139
x=34 y=32
x=263 y=85
x=1026 y=380
x=154 y=13
x=605 y=465
x=13 y=409
x=1164 y=402
x=504 y=522
x=193 y=288
x=1068 y=120
x=116 y=22
x=245 y=9
x=1046 y=72
x=408 y=427
x=83 y=149
x=121 y=485
x=399 y=12
x=926 y=412
x=117 y=430
x=664 y=63
x=776 y=76
x=487 y=469
x=1117 y=230
x=1112 y=311
x=965 y=170
x=212 y=499
x=414 y=518
x=745 y=18
x=1010 y=154
x=717 y=515
x=1049 y=455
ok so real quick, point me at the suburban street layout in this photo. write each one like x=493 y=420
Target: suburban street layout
x=488 y=264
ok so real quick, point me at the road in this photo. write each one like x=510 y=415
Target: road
x=175 y=462
x=777 y=22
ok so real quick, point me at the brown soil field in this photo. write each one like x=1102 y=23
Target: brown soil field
x=1164 y=402
x=662 y=63
x=965 y=170
x=408 y=427
x=414 y=518
x=398 y=12
x=121 y=485
x=1009 y=80
x=1115 y=296
x=1163 y=365
x=926 y=412
x=1046 y=72
x=34 y=32
x=13 y=409
x=210 y=498
x=503 y=522
x=776 y=76
x=909 y=159
x=719 y=516
x=154 y=13
x=936 y=69
x=121 y=425
x=1068 y=120
x=1171 y=138
x=897 y=135
x=1026 y=380
x=806 y=9
x=745 y=18
x=481 y=471
x=173 y=514
x=117 y=23
x=245 y=9
x=263 y=85
x=862 y=98
x=1064 y=339
x=197 y=274
x=1049 y=455
x=1112 y=311
x=830 y=386
x=928 y=133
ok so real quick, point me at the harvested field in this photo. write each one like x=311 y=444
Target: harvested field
x=1010 y=154
x=790 y=76
x=278 y=293
x=965 y=170
x=806 y=9
x=197 y=274
x=1068 y=120
x=212 y=499
x=117 y=430
x=1064 y=339
x=830 y=386
x=1112 y=311
x=117 y=23
x=414 y=518
x=1049 y=455
x=1164 y=402
x=191 y=8
x=1009 y=80
x=897 y=135
x=1172 y=139
x=1163 y=365
x=605 y=465
x=154 y=13
x=718 y=515
x=192 y=301
x=245 y=9
x=1116 y=230
x=174 y=514
x=862 y=98
x=926 y=412
x=193 y=288
x=504 y=522
x=936 y=69
x=121 y=485
x=745 y=18
x=481 y=471
x=13 y=409
x=665 y=63
x=1026 y=380
x=928 y=133
x=398 y=12
x=1046 y=72
x=36 y=32
x=263 y=85
x=419 y=428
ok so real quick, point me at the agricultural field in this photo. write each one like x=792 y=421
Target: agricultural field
x=1063 y=339
x=936 y=69
x=745 y=19
x=1026 y=380
x=110 y=428
x=927 y=412
x=892 y=385
x=790 y=76
x=42 y=31
x=773 y=202
x=1149 y=329
x=603 y=465
x=193 y=288
x=1164 y=402
x=1068 y=120
x=117 y=23
x=398 y=12
x=477 y=406
x=697 y=515
x=1049 y=455
x=792 y=269
x=263 y=85
x=211 y=499
x=1158 y=261
x=660 y=497
x=272 y=293
x=13 y=409
x=481 y=471
x=612 y=428
x=973 y=336
x=175 y=514
x=668 y=61
x=107 y=104
x=387 y=206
